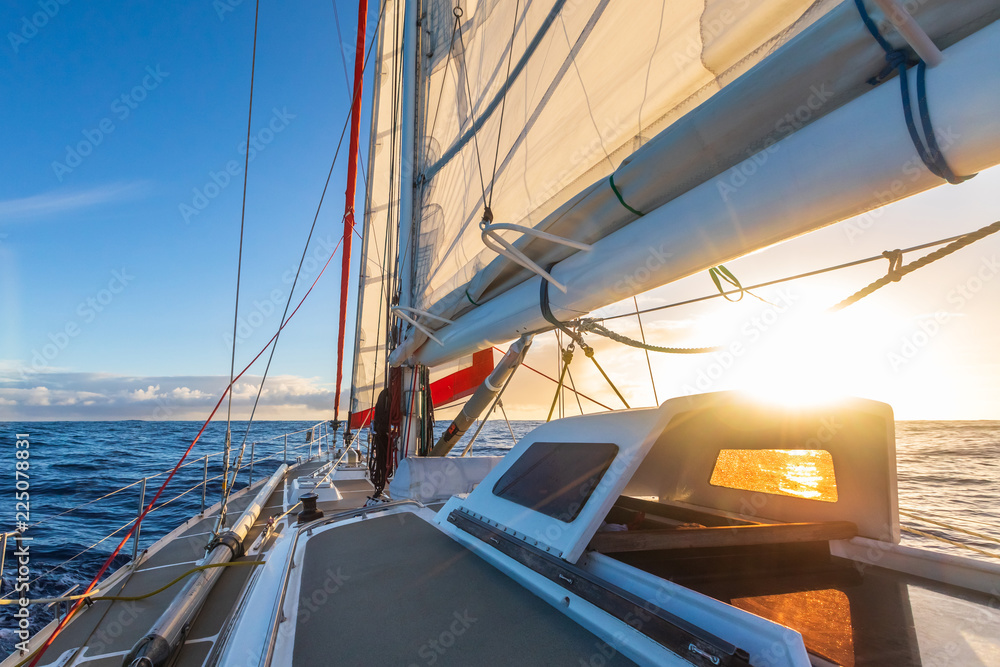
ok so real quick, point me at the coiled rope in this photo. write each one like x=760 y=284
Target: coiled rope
x=592 y=326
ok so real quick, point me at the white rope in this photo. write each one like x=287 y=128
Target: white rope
x=505 y=248
x=401 y=313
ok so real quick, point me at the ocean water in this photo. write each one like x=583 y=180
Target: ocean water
x=947 y=471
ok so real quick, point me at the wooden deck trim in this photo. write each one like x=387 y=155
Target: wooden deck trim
x=676 y=512
x=722 y=536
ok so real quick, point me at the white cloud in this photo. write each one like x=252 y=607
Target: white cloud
x=186 y=394
x=61 y=395
x=147 y=394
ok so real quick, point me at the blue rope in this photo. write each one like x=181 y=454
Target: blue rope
x=933 y=150
x=897 y=60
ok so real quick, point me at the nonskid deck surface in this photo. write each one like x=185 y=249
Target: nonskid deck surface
x=104 y=633
x=395 y=590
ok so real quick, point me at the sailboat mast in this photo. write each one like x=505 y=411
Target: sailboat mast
x=408 y=115
x=407 y=158
x=352 y=181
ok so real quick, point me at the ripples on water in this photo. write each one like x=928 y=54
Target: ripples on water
x=948 y=471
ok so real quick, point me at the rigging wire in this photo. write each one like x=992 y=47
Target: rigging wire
x=799 y=276
x=227 y=392
x=552 y=379
x=135 y=598
x=988 y=538
x=390 y=243
x=567 y=358
x=504 y=413
x=560 y=353
x=572 y=387
x=964 y=519
x=649 y=364
x=447 y=63
x=239 y=262
x=260 y=388
x=343 y=62
x=503 y=103
x=897 y=271
x=543 y=302
x=360 y=64
x=486 y=417
x=472 y=112
x=156 y=496
x=954 y=543
x=592 y=326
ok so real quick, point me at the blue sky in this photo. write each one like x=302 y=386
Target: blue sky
x=115 y=115
x=115 y=304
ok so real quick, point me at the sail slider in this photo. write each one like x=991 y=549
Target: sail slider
x=499 y=245
x=401 y=313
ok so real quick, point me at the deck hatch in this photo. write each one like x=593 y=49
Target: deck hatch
x=556 y=478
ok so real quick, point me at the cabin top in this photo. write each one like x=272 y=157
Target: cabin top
x=696 y=462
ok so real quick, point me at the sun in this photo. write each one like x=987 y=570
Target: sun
x=817 y=357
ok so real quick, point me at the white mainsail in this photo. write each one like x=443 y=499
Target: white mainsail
x=597 y=88
x=591 y=81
